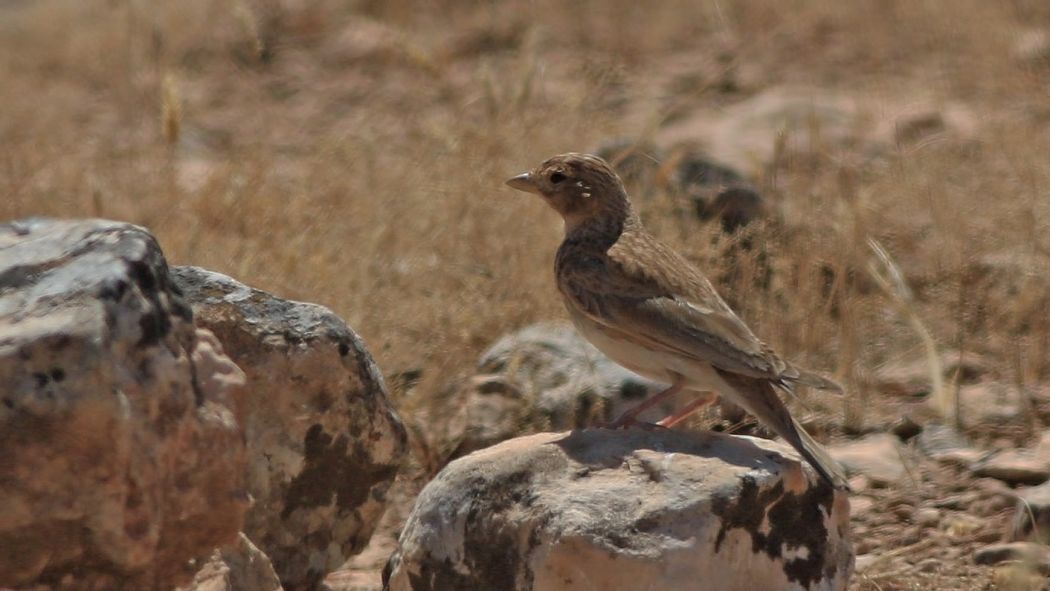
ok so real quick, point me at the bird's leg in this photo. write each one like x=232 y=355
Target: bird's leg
x=627 y=418
x=706 y=399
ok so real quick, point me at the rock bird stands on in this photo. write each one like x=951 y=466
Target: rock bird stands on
x=650 y=310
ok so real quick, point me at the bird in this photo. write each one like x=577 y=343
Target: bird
x=650 y=310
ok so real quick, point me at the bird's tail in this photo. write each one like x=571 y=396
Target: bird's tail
x=759 y=398
x=819 y=458
x=808 y=378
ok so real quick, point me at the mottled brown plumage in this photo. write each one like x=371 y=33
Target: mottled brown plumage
x=653 y=312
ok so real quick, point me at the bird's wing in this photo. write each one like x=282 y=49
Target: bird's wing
x=680 y=314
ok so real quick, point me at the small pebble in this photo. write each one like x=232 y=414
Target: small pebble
x=864 y=561
x=928 y=517
x=859 y=483
x=928 y=565
x=903 y=512
x=956 y=502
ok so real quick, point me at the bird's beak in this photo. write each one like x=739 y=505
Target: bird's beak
x=523 y=182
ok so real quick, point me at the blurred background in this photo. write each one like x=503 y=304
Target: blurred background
x=866 y=182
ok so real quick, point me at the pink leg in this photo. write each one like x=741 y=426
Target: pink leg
x=687 y=410
x=627 y=417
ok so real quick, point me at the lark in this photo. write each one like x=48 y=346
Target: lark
x=650 y=310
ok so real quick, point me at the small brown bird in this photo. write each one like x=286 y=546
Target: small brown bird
x=650 y=310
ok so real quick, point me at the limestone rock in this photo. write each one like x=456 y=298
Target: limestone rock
x=1015 y=466
x=921 y=121
x=545 y=376
x=752 y=132
x=990 y=403
x=493 y=410
x=876 y=456
x=634 y=509
x=120 y=457
x=241 y=567
x=911 y=377
x=552 y=361
x=946 y=444
x=324 y=443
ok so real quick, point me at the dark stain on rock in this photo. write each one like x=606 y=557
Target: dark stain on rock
x=493 y=558
x=113 y=290
x=491 y=552
x=57 y=374
x=584 y=409
x=323 y=466
x=180 y=308
x=141 y=273
x=434 y=576
x=795 y=520
x=334 y=471
x=17 y=276
x=155 y=325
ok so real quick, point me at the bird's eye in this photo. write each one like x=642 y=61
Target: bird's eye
x=557 y=177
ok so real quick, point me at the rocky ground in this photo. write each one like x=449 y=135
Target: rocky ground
x=931 y=508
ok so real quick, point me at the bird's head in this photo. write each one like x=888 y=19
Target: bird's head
x=578 y=186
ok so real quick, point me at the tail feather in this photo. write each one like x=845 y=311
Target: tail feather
x=758 y=397
x=819 y=458
x=813 y=380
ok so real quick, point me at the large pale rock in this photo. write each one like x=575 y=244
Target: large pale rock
x=634 y=509
x=120 y=458
x=562 y=371
x=1027 y=466
x=946 y=444
x=324 y=443
x=876 y=456
x=545 y=377
x=911 y=377
x=753 y=131
x=1015 y=466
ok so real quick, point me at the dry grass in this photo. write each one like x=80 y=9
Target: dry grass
x=352 y=154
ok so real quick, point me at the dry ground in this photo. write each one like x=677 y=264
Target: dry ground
x=352 y=153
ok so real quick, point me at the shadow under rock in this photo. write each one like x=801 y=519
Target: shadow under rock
x=608 y=448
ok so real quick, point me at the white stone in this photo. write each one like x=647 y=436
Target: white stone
x=634 y=509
